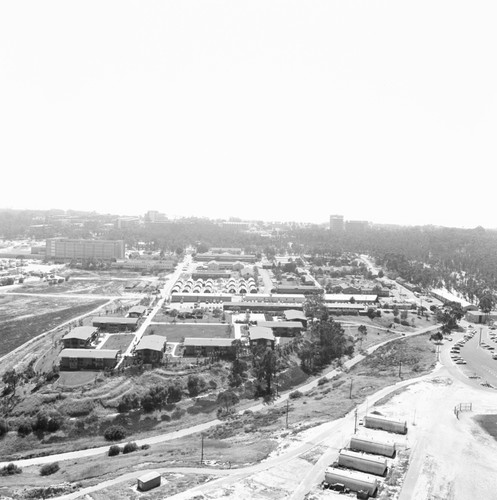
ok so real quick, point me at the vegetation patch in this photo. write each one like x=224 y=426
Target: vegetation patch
x=488 y=423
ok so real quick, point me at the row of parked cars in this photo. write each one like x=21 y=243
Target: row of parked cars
x=490 y=348
x=456 y=349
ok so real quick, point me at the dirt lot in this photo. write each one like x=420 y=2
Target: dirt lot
x=26 y=317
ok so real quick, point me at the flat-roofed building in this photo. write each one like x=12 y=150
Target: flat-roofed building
x=151 y=349
x=350 y=298
x=208 y=346
x=336 y=223
x=88 y=359
x=64 y=249
x=80 y=337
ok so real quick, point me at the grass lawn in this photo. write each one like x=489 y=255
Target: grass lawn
x=119 y=341
x=488 y=423
x=77 y=378
x=175 y=333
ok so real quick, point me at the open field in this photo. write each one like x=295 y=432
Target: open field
x=26 y=317
x=176 y=332
x=119 y=341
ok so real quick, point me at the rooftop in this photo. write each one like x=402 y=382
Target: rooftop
x=151 y=342
x=80 y=333
x=89 y=353
x=208 y=342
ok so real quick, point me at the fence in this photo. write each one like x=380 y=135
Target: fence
x=462 y=407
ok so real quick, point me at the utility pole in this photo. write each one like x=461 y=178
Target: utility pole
x=202 y=451
x=355 y=420
x=287 y=403
x=350 y=390
x=400 y=369
x=479 y=341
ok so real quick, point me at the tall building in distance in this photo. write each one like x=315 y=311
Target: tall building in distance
x=64 y=249
x=336 y=223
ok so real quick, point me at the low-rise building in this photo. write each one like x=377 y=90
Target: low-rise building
x=88 y=359
x=151 y=349
x=295 y=315
x=137 y=311
x=261 y=336
x=208 y=346
x=80 y=337
x=283 y=328
x=115 y=324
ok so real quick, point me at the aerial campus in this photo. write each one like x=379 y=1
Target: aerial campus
x=189 y=358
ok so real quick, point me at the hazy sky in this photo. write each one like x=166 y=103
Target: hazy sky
x=275 y=110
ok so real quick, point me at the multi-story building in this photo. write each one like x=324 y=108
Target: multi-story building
x=68 y=249
x=336 y=223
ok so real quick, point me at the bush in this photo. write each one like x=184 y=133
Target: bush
x=396 y=320
x=115 y=433
x=24 y=428
x=130 y=447
x=295 y=395
x=405 y=323
x=49 y=469
x=145 y=446
x=114 y=450
x=322 y=381
x=10 y=470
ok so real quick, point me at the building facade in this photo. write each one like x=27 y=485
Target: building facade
x=71 y=249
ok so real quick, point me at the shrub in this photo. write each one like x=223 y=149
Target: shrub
x=24 y=428
x=115 y=433
x=145 y=446
x=49 y=469
x=323 y=381
x=295 y=395
x=10 y=470
x=404 y=323
x=130 y=447
x=114 y=450
x=55 y=422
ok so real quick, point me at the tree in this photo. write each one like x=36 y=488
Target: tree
x=486 y=304
x=363 y=330
x=265 y=365
x=227 y=399
x=195 y=385
x=403 y=314
x=314 y=307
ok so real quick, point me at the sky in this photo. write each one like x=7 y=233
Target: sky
x=276 y=110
